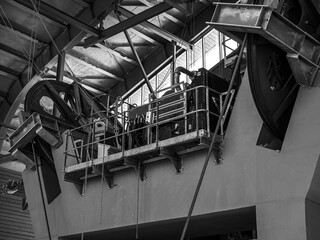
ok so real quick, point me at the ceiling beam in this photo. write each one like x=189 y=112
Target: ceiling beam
x=135 y=3
x=53 y=12
x=20 y=34
x=68 y=39
x=136 y=19
x=157 y=30
x=10 y=71
x=60 y=66
x=115 y=45
x=51 y=74
x=29 y=9
x=167 y=15
x=13 y=52
x=206 y=2
x=9 y=75
x=135 y=31
x=13 y=56
x=89 y=65
x=138 y=32
x=178 y=7
x=82 y=3
x=116 y=53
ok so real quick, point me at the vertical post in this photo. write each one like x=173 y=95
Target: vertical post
x=220 y=51
x=204 y=64
x=123 y=124
x=221 y=103
x=174 y=59
x=188 y=61
x=66 y=150
x=197 y=111
x=157 y=120
x=59 y=75
x=60 y=67
x=208 y=111
x=185 y=109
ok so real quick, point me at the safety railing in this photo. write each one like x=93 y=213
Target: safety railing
x=181 y=110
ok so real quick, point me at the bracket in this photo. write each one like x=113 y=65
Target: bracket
x=217 y=152
x=173 y=157
x=107 y=175
x=217 y=148
x=78 y=183
x=138 y=166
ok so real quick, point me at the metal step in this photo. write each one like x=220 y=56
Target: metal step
x=303 y=51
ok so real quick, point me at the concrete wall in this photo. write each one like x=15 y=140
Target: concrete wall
x=276 y=183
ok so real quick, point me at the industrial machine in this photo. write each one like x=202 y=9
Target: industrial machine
x=106 y=169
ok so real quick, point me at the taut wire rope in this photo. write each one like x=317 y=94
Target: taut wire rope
x=225 y=104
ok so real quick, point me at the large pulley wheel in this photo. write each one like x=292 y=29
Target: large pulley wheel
x=52 y=99
x=272 y=83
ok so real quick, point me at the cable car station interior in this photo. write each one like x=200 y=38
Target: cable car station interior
x=149 y=119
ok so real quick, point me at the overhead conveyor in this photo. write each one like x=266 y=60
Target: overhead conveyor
x=301 y=48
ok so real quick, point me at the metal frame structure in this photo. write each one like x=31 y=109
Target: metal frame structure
x=68 y=31
x=95 y=153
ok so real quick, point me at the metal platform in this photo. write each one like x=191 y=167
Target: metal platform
x=303 y=51
x=164 y=129
x=171 y=149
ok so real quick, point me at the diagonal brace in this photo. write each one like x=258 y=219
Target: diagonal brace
x=128 y=23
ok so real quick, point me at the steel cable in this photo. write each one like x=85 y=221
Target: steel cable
x=225 y=104
x=52 y=40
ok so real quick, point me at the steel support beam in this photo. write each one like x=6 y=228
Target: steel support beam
x=9 y=75
x=51 y=74
x=116 y=53
x=20 y=34
x=82 y=3
x=92 y=16
x=9 y=72
x=178 y=7
x=135 y=3
x=135 y=30
x=302 y=49
x=157 y=30
x=56 y=13
x=115 y=45
x=66 y=41
x=206 y=2
x=60 y=66
x=13 y=56
x=17 y=55
x=134 y=20
x=102 y=71
x=144 y=36
x=150 y=3
x=29 y=9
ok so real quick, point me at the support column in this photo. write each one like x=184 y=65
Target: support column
x=60 y=67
